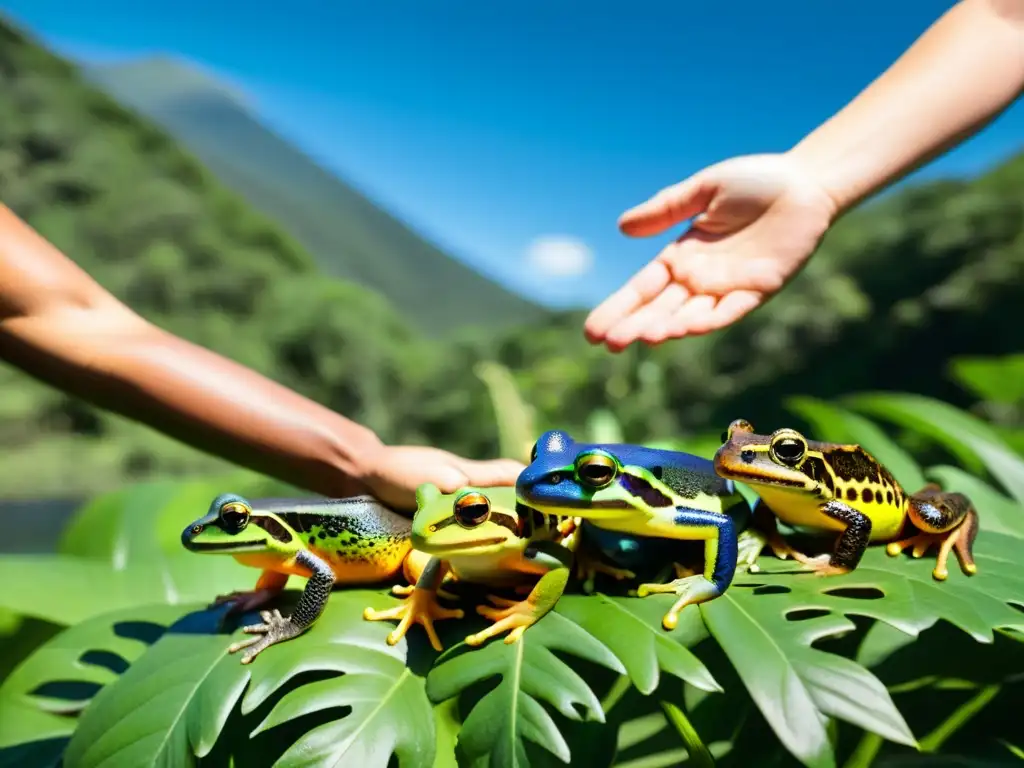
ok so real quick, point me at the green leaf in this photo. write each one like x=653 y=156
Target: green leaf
x=768 y=622
x=530 y=672
x=515 y=418
x=797 y=687
x=66 y=590
x=968 y=437
x=631 y=629
x=166 y=708
x=833 y=424
x=33 y=704
x=173 y=703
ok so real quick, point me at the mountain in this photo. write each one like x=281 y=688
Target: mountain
x=348 y=235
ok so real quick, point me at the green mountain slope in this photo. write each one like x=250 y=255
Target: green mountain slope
x=349 y=236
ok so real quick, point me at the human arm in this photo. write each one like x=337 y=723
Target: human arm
x=958 y=76
x=758 y=218
x=58 y=325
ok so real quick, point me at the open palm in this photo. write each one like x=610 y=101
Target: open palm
x=756 y=221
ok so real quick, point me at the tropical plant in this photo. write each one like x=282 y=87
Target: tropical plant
x=881 y=666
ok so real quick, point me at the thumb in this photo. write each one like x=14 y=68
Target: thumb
x=671 y=206
x=494 y=472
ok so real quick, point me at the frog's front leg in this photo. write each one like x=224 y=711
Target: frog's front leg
x=947 y=520
x=518 y=616
x=851 y=544
x=420 y=606
x=269 y=586
x=276 y=628
x=720 y=553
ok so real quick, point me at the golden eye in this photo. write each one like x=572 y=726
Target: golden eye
x=234 y=515
x=788 y=450
x=197 y=529
x=596 y=469
x=472 y=509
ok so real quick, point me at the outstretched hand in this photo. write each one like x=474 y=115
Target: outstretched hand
x=757 y=220
x=397 y=470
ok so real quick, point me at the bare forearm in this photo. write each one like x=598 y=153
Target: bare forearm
x=190 y=393
x=957 y=77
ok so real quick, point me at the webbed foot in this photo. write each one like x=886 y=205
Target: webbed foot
x=515 y=615
x=421 y=607
x=782 y=550
x=691 y=590
x=274 y=629
x=922 y=542
x=750 y=545
x=822 y=566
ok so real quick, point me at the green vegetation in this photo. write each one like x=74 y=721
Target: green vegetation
x=349 y=236
x=112 y=658
x=900 y=290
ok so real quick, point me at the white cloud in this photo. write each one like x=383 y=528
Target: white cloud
x=560 y=256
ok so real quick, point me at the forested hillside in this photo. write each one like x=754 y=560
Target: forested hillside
x=899 y=289
x=349 y=236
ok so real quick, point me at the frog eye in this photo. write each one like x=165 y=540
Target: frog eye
x=596 y=470
x=472 y=509
x=234 y=516
x=724 y=437
x=788 y=450
x=533 y=452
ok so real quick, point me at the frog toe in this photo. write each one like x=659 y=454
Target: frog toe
x=420 y=607
x=274 y=629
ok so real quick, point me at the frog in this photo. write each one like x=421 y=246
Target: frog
x=841 y=488
x=650 y=494
x=353 y=540
x=483 y=536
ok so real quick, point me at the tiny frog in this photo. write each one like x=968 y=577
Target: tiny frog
x=645 y=492
x=482 y=536
x=842 y=488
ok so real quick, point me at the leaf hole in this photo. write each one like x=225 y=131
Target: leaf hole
x=144 y=631
x=74 y=692
x=772 y=589
x=856 y=593
x=806 y=614
x=105 y=659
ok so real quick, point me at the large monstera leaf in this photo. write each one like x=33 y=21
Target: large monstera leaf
x=171 y=707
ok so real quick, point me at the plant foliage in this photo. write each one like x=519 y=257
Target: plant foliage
x=783 y=661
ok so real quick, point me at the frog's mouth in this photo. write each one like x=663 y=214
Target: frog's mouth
x=214 y=546
x=443 y=547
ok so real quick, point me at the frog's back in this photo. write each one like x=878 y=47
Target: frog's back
x=687 y=475
x=361 y=539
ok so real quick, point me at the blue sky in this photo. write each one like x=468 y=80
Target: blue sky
x=487 y=128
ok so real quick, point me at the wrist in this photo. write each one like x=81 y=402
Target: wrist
x=353 y=451
x=822 y=175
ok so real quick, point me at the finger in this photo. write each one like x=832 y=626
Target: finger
x=671 y=205
x=497 y=472
x=448 y=477
x=655 y=313
x=641 y=288
x=695 y=309
x=726 y=312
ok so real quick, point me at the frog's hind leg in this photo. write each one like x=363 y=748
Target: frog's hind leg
x=946 y=520
x=764 y=531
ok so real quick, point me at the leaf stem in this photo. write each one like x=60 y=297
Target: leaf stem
x=959 y=718
x=615 y=693
x=699 y=754
x=867 y=749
